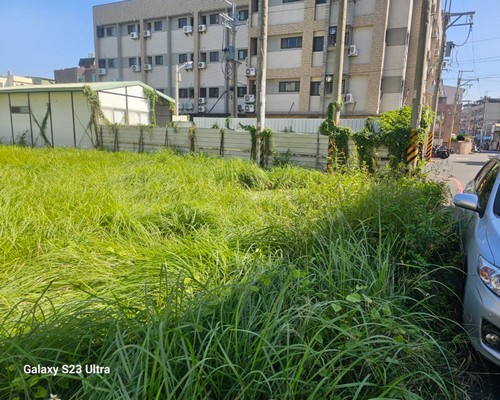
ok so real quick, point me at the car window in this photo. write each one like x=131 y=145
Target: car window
x=482 y=173
x=484 y=186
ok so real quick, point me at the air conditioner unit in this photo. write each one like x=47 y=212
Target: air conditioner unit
x=250 y=72
x=188 y=106
x=352 y=50
x=103 y=71
x=136 y=68
x=202 y=100
x=146 y=33
x=202 y=109
x=187 y=29
x=240 y=108
x=249 y=98
x=134 y=35
x=181 y=106
x=348 y=98
x=202 y=28
x=249 y=108
x=188 y=67
x=202 y=65
x=148 y=67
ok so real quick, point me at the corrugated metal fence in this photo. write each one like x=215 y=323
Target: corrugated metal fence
x=297 y=140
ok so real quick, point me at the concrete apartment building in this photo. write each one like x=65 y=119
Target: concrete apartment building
x=14 y=80
x=149 y=39
x=448 y=114
x=481 y=116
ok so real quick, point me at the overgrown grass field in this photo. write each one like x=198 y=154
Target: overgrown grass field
x=192 y=277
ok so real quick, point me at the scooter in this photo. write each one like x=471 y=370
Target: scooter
x=441 y=151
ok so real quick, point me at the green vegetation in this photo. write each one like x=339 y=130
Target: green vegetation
x=205 y=278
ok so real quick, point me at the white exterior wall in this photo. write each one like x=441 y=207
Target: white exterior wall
x=5 y=128
x=362 y=38
x=288 y=13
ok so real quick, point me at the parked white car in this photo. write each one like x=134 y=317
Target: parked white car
x=480 y=228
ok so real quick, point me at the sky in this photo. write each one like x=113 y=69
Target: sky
x=40 y=36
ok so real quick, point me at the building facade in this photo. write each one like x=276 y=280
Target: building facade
x=150 y=39
x=85 y=72
x=480 y=117
x=448 y=114
x=14 y=80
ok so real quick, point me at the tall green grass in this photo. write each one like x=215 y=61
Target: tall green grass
x=195 y=277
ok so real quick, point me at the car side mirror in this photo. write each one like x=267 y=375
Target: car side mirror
x=468 y=201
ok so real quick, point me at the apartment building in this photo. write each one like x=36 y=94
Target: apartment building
x=150 y=39
x=481 y=116
x=85 y=72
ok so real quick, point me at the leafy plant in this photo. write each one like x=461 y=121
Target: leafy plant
x=367 y=140
x=338 y=147
x=253 y=140
x=152 y=98
x=42 y=126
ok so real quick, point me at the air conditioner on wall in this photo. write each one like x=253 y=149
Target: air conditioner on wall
x=136 y=68
x=202 y=100
x=202 y=109
x=146 y=33
x=188 y=106
x=348 y=98
x=249 y=98
x=134 y=35
x=103 y=71
x=352 y=50
x=188 y=67
x=250 y=72
x=187 y=29
x=249 y=108
x=148 y=67
x=202 y=28
x=202 y=65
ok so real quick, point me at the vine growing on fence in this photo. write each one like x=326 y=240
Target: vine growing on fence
x=253 y=140
x=96 y=114
x=338 y=136
x=152 y=98
x=43 y=126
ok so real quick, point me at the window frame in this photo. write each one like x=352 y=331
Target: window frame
x=213 y=92
x=287 y=43
x=284 y=86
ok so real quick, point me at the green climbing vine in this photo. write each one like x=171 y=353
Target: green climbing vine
x=253 y=138
x=338 y=146
x=96 y=114
x=43 y=126
x=152 y=98
x=266 y=136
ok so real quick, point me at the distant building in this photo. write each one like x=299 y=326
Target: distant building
x=85 y=72
x=13 y=80
x=481 y=117
x=448 y=112
x=149 y=40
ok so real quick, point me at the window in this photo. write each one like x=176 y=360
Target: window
x=242 y=54
x=158 y=60
x=203 y=20
x=242 y=91
x=291 y=42
x=320 y=1
x=20 y=110
x=315 y=88
x=485 y=185
x=255 y=5
x=290 y=1
x=214 y=56
x=214 y=19
x=132 y=61
x=150 y=60
x=158 y=25
x=186 y=93
x=332 y=36
x=182 y=22
x=203 y=92
x=130 y=29
x=242 y=15
x=253 y=46
x=213 y=92
x=102 y=63
x=148 y=26
x=289 y=87
x=329 y=86
x=110 y=31
x=183 y=58
x=318 y=43
x=100 y=31
x=203 y=57
x=111 y=63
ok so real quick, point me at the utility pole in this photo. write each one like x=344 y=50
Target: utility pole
x=457 y=101
x=339 y=57
x=419 y=85
x=231 y=22
x=262 y=66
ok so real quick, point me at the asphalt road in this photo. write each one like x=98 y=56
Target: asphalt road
x=483 y=380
